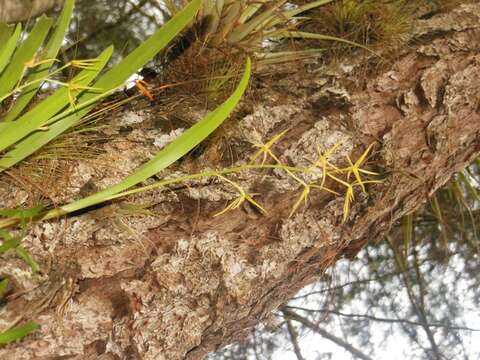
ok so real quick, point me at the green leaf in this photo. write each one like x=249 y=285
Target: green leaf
x=9 y=244
x=49 y=52
x=17 y=333
x=40 y=114
x=468 y=184
x=35 y=141
x=9 y=241
x=5 y=33
x=25 y=52
x=5 y=235
x=251 y=10
x=314 y=36
x=287 y=15
x=9 y=46
x=25 y=255
x=308 y=6
x=286 y=56
x=3 y=287
x=21 y=213
x=148 y=49
x=112 y=79
x=14 y=243
x=243 y=30
x=171 y=153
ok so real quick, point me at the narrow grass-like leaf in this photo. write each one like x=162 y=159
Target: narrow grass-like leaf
x=35 y=141
x=14 y=243
x=242 y=31
x=212 y=10
x=408 y=232
x=24 y=53
x=286 y=56
x=228 y=20
x=5 y=235
x=49 y=52
x=5 y=32
x=171 y=153
x=25 y=255
x=314 y=36
x=437 y=210
x=3 y=287
x=112 y=79
x=251 y=10
x=460 y=196
x=9 y=47
x=8 y=242
x=21 y=213
x=40 y=114
x=279 y=19
x=308 y=6
x=468 y=184
x=148 y=49
x=17 y=333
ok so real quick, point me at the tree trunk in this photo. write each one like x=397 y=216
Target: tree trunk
x=183 y=283
x=21 y=10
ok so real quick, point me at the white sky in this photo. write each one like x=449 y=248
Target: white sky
x=397 y=347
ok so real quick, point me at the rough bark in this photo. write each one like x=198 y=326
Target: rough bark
x=183 y=283
x=21 y=10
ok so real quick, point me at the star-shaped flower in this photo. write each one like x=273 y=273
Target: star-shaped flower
x=265 y=148
x=240 y=199
x=324 y=164
x=356 y=170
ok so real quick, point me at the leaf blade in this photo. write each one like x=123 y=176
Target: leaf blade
x=110 y=80
x=171 y=153
x=40 y=114
x=3 y=287
x=17 y=333
x=25 y=255
x=24 y=53
x=50 y=52
x=7 y=50
x=149 y=48
x=8 y=244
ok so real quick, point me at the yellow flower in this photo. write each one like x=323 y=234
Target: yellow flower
x=265 y=148
x=356 y=169
x=240 y=199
